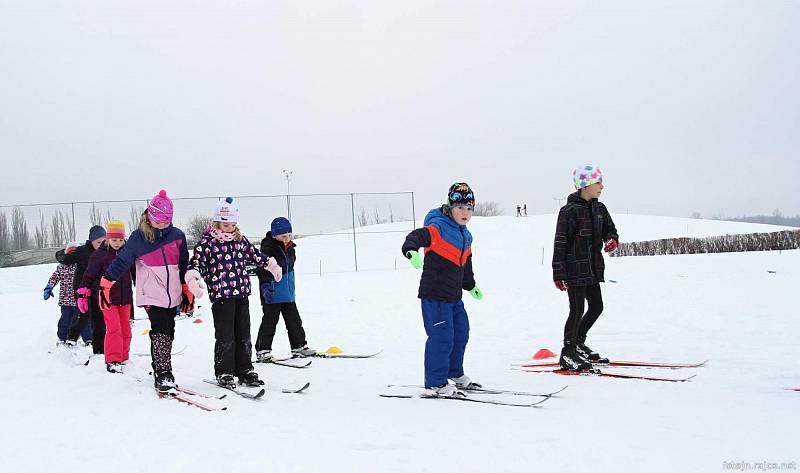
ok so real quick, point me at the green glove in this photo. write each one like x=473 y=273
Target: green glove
x=476 y=293
x=416 y=259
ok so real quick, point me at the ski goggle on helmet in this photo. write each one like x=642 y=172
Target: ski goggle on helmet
x=460 y=194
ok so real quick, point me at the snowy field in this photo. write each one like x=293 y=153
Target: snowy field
x=736 y=310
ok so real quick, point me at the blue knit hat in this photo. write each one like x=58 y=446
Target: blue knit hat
x=280 y=226
x=96 y=232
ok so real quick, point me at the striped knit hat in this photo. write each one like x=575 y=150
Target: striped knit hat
x=160 y=208
x=115 y=229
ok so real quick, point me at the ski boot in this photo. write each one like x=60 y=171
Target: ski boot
x=226 y=381
x=571 y=361
x=114 y=367
x=250 y=378
x=463 y=382
x=70 y=343
x=589 y=354
x=164 y=381
x=303 y=352
x=445 y=390
x=264 y=356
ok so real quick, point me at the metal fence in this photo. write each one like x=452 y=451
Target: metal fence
x=351 y=225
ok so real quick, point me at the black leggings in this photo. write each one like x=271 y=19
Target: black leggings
x=578 y=323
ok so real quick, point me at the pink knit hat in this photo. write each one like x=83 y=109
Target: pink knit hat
x=160 y=208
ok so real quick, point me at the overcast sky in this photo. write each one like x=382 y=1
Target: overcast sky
x=685 y=105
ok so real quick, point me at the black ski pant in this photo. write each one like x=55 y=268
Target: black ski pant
x=578 y=322
x=269 y=323
x=233 y=349
x=162 y=333
x=94 y=316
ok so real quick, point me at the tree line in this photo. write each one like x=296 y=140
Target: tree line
x=782 y=240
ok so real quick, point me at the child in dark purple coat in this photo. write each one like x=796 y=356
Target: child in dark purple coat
x=115 y=303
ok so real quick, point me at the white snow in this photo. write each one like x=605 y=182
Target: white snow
x=728 y=308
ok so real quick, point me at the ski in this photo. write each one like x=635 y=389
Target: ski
x=198 y=393
x=175 y=395
x=792 y=389
x=245 y=395
x=487 y=391
x=622 y=364
x=287 y=362
x=466 y=398
x=175 y=353
x=597 y=372
x=295 y=391
x=347 y=355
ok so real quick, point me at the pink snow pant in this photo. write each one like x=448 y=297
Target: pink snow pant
x=118 y=333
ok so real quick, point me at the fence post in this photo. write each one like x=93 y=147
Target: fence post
x=353 y=214
x=288 y=208
x=413 y=213
x=74 y=233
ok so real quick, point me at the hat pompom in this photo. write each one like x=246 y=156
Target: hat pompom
x=162 y=193
x=229 y=200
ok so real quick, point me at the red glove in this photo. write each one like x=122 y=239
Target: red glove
x=104 y=298
x=187 y=300
x=561 y=285
x=83 y=299
x=611 y=245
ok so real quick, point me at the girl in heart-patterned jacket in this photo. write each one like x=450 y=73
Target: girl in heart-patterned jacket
x=219 y=264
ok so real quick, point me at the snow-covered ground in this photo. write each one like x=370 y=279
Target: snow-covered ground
x=737 y=310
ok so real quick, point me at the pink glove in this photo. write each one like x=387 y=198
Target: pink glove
x=611 y=246
x=195 y=282
x=274 y=268
x=562 y=285
x=84 y=294
x=104 y=298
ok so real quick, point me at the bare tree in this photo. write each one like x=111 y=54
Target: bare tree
x=40 y=232
x=363 y=218
x=695 y=215
x=60 y=229
x=20 y=239
x=376 y=217
x=97 y=217
x=391 y=215
x=196 y=227
x=488 y=209
x=5 y=234
x=134 y=218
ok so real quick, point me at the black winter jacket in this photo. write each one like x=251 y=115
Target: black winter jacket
x=582 y=228
x=80 y=257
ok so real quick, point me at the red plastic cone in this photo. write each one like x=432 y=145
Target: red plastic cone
x=543 y=353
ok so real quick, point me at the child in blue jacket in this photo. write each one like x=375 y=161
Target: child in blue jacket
x=279 y=297
x=447 y=272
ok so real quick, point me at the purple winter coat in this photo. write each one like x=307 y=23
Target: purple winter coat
x=121 y=291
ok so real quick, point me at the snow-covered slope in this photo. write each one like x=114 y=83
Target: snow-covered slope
x=734 y=309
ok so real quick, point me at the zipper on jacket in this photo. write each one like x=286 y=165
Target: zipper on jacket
x=166 y=267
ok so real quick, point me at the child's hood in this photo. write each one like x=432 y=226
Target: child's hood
x=437 y=217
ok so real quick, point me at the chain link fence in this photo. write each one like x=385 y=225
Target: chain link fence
x=353 y=226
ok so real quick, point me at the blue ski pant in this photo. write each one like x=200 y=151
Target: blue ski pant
x=67 y=314
x=447 y=327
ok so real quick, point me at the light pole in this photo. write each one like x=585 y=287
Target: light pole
x=288 y=175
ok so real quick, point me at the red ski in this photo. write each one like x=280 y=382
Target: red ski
x=596 y=372
x=622 y=364
x=180 y=398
